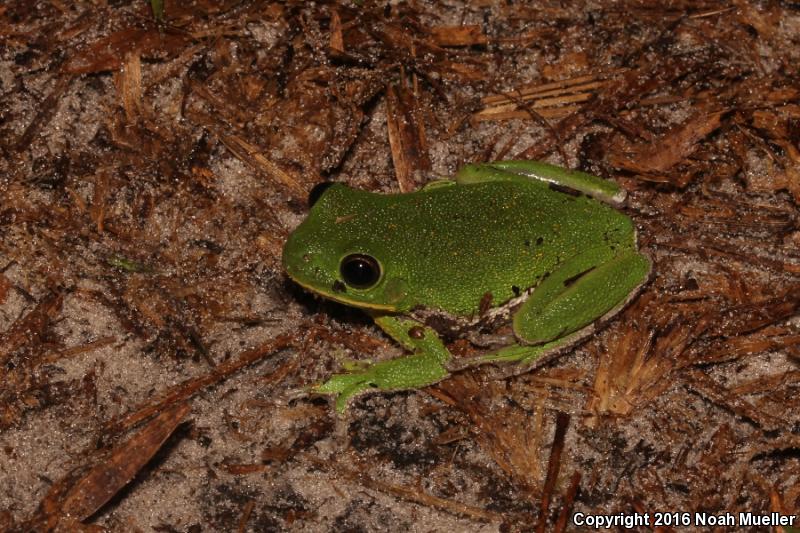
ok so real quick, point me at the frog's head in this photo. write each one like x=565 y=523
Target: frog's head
x=339 y=253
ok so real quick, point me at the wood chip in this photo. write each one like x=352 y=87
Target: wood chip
x=467 y=35
x=406 y=136
x=81 y=493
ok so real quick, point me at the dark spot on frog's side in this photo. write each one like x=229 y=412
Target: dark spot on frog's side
x=338 y=286
x=515 y=289
x=416 y=332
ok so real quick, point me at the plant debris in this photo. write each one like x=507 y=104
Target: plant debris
x=154 y=156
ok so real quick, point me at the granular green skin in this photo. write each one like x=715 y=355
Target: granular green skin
x=446 y=247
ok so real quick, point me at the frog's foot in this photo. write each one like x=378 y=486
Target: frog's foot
x=520 y=354
x=403 y=373
x=517 y=353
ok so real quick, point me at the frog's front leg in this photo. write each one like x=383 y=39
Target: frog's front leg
x=425 y=366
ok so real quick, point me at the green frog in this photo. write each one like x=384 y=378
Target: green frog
x=532 y=245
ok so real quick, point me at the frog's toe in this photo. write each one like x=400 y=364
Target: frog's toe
x=342 y=382
x=355 y=365
x=346 y=386
x=349 y=392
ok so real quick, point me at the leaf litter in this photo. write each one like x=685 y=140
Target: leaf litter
x=151 y=167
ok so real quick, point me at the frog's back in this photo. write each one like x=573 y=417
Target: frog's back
x=457 y=243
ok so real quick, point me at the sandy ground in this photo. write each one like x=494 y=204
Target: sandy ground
x=155 y=357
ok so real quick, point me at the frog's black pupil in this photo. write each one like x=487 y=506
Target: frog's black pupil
x=317 y=191
x=360 y=271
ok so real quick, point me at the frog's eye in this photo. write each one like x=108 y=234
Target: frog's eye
x=317 y=191
x=360 y=271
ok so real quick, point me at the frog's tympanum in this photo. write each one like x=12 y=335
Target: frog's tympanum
x=513 y=243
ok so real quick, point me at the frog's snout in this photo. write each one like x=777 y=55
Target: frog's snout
x=294 y=257
x=303 y=264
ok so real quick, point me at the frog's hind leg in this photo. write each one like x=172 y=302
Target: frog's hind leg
x=559 y=177
x=562 y=310
x=578 y=294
